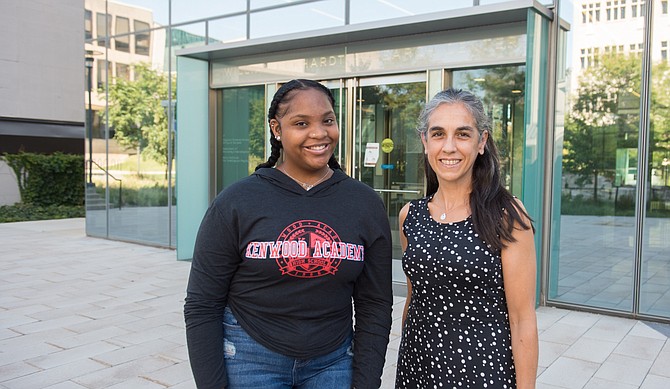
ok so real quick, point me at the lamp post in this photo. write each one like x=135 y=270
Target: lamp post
x=89 y=118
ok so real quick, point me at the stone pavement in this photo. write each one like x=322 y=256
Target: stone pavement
x=79 y=312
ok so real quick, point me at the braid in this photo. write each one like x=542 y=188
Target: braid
x=333 y=164
x=274 y=153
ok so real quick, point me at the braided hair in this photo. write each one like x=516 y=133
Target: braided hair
x=278 y=109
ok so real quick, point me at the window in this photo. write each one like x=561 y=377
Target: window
x=664 y=51
x=122 y=71
x=636 y=48
x=122 y=43
x=637 y=8
x=142 y=38
x=615 y=9
x=102 y=28
x=88 y=24
x=664 y=7
x=102 y=67
x=591 y=12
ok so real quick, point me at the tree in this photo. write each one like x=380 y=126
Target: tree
x=136 y=112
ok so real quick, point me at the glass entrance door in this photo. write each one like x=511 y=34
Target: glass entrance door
x=501 y=90
x=387 y=152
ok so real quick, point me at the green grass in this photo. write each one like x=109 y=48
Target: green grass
x=27 y=212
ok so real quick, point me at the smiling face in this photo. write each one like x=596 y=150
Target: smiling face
x=308 y=129
x=452 y=143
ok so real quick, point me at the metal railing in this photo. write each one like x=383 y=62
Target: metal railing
x=114 y=178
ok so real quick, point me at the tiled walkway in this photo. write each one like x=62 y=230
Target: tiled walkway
x=79 y=312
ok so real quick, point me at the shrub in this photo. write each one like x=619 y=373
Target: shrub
x=45 y=180
x=27 y=212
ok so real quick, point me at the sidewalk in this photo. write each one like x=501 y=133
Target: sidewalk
x=79 y=312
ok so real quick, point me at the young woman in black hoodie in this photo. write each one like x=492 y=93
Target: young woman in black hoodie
x=280 y=257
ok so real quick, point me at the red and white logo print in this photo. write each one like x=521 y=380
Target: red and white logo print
x=306 y=249
x=304 y=241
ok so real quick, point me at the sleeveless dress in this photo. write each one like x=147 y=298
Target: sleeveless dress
x=456 y=334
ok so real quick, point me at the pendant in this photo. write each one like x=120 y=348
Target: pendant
x=443 y=216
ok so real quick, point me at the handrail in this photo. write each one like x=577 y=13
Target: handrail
x=117 y=179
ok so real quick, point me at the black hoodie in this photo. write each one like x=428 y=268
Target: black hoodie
x=288 y=263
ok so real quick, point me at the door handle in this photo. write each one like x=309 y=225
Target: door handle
x=397 y=191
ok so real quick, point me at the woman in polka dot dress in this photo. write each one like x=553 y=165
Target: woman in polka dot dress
x=469 y=257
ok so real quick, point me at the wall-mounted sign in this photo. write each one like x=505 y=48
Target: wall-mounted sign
x=371 y=154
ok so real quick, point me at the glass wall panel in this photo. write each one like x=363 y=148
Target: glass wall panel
x=190 y=10
x=229 y=29
x=655 y=272
x=592 y=261
x=185 y=36
x=243 y=132
x=140 y=158
x=297 y=18
x=545 y=2
x=159 y=10
x=371 y=10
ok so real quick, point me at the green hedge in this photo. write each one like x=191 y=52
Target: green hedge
x=44 y=180
x=27 y=212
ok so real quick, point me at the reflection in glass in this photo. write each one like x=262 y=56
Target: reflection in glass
x=184 y=36
x=371 y=10
x=88 y=24
x=655 y=274
x=157 y=10
x=388 y=112
x=229 y=29
x=340 y=95
x=143 y=38
x=189 y=10
x=122 y=43
x=103 y=29
x=242 y=126
x=598 y=198
x=297 y=18
x=140 y=155
x=502 y=92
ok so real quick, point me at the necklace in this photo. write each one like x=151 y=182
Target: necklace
x=443 y=216
x=305 y=185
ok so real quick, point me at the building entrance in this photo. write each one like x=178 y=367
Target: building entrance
x=379 y=145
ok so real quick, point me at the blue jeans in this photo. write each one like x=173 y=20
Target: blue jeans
x=249 y=365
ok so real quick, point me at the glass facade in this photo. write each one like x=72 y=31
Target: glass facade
x=610 y=216
x=602 y=211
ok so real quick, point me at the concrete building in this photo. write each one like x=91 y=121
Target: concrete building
x=41 y=83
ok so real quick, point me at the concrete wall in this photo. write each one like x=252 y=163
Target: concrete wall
x=9 y=189
x=42 y=59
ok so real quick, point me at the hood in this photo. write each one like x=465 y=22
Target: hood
x=281 y=180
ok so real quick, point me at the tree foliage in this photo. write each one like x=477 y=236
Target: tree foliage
x=604 y=117
x=137 y=113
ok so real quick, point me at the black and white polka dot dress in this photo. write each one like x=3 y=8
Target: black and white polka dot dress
x=456 y=334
